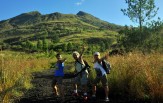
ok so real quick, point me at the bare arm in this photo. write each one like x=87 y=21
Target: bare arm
x=83 y=49
x=64 y=60
x=105 y=57
x=81 y=55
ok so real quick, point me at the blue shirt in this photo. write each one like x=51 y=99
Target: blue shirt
x=59 y=69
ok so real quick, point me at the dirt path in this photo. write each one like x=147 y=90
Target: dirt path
x=43 y=92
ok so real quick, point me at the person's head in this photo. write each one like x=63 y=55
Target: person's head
x=75 y=55
x=97 y=56
x=58 y=56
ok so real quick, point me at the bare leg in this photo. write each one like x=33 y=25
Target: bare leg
x=94 y=90
x=75 y=87
x=106 y=91
x=84 y=88
x=56 y=90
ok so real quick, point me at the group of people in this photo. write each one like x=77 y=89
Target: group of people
x=82 y=78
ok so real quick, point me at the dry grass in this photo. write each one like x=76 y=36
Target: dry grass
x=137 y=76
x=15 y=74
x=133 y=75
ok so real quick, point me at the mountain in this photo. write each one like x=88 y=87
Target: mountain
x=34 y=26
x=35 y=17
x=88 y=18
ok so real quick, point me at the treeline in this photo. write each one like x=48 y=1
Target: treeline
x=148 y=40
x=47 y=46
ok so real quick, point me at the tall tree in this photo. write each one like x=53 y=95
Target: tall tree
x=140 y=11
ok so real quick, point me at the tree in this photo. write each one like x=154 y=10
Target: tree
x=69 y=47
x=29 y=45
x=64 y=47
x=39 y=45
x=45 y=34
x=55 y=38
x=102 y=46
x=45 y=45
x=140 y=11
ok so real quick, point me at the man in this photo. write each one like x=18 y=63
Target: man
x=81 y=78
x=101 y=75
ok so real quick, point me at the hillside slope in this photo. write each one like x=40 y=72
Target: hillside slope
x=56 y=27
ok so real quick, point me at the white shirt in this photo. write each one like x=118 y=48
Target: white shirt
x=97 y=66
x=79 y=66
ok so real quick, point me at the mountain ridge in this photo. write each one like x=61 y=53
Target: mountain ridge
x=36 y=17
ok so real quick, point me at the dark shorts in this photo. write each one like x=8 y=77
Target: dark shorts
x=57 y=80
x=103 y=80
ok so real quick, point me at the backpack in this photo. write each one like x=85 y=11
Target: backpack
x=106 y=65
x=87 y=65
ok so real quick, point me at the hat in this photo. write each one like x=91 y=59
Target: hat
x=96 y=53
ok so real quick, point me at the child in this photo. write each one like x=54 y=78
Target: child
x=58 y=76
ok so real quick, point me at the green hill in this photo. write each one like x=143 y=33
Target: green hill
x=56 y=28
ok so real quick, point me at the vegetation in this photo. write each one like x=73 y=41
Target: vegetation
x=147 y=41
x=36 y=38
x=140 y=10
x=16 y=73
x=134 y=75
x=137 y=76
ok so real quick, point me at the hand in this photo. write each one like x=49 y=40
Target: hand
x=65 y=59
x=106 y=56
x=83 y=48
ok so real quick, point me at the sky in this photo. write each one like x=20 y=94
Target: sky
x=107 y=10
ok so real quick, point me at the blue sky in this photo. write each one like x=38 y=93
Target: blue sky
x=108 y=10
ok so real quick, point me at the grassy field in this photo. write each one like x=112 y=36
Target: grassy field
x=15 y=73
x=134 y=75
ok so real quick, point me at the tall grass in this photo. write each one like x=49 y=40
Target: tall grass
x=133 y=76
x=137 y=76
x=15 y=74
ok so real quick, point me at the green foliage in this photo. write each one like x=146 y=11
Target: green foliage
x=55 y=38
x=56 y=28
x=45 y=45
x=102 y=46
x=39 y=45
x=64 y=47
x=140 y=10
x=150 y=39
x=69 y=47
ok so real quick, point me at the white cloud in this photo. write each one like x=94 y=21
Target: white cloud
x=79 y=3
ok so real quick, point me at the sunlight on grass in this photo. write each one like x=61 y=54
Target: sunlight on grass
x=134 y=75
x=15 y=74
x=137 y=76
